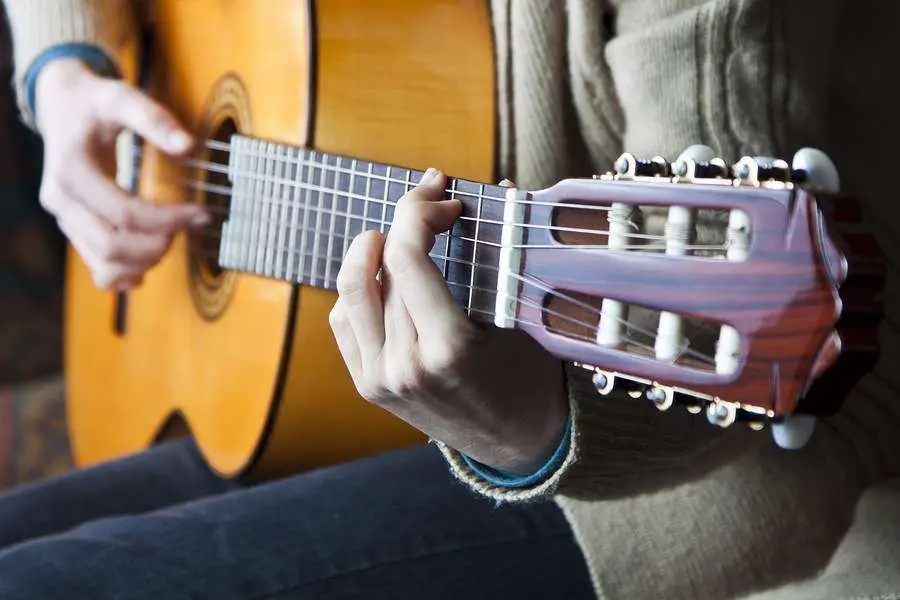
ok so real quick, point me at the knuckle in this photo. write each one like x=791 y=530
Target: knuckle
x=352 y=284
x=337 y=317
x=445 y=359
x=111 y=248
x=403 y=379
x=398 y=259
x=51 y=193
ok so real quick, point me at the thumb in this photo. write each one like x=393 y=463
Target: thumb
x=131 y=108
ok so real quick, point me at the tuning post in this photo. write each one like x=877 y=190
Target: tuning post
x=604 y=382
x=720 y=413
x=760 y=170
x=661 y=397
x=688 y=169
x=627 y=166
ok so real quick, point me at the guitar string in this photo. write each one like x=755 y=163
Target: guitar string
x=317 y=259
x=275 y=202
x=685 y=349
x=324 y=167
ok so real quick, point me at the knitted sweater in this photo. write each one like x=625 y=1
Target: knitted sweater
x=662 y=504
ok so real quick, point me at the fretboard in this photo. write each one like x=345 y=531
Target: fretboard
x=294 y=212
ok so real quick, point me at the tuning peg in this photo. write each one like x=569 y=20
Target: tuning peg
x=723 y=414
x=690 y=169
x=794 y=431
x=754 y=170
x=661 y=397
x=817 y=169
x=628 y=166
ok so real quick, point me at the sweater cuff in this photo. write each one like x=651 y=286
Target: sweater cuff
x=91 y=55
x=502 y=478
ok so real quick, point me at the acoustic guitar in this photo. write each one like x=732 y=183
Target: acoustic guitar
x=315 y=118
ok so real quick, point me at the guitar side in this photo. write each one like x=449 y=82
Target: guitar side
x=249 y=363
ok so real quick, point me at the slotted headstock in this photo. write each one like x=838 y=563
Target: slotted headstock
x=750 y=291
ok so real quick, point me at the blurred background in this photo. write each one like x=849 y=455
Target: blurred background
x=32 y=271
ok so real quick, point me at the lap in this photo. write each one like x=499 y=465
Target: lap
x=396 y=525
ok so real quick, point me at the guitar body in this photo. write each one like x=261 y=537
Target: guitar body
x=249 y=364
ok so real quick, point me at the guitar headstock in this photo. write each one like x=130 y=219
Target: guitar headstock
x=748 y=291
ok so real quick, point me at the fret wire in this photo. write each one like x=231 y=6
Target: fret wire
x=304 y=228
x=365 y=219
x=475 y=251
x=353 y=167
x=265 y=202
x=260 y=207
x=295 y=218
x=331 y=220
x=281 y=231
x=271 y=229
x=252 y=200
x=314 y=260
x=248 y=200
x=387 y=187
x=265 y=208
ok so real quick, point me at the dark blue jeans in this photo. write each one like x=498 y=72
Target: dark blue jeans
x=160 y=525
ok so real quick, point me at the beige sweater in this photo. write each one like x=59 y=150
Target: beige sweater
x=663 y=505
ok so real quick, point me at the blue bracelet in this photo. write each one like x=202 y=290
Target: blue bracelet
x=502 y=478
x=90 y=54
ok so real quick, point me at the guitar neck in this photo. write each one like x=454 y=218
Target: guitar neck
x=294 y=212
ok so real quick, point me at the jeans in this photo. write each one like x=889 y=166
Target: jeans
x=161 y=525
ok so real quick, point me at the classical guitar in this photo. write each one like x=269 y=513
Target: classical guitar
x=311 y=116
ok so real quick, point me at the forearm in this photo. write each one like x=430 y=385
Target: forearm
x=105 y=28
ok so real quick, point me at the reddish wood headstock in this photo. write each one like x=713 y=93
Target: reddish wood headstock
x=804 y=296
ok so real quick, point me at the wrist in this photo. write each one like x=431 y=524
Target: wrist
x=58 y=79
x=58 y=70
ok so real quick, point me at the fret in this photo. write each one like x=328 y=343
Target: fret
x=475 y=248
x=317 y=227
x=277 y=269
x=273 y=200
x=295 y=212
x=246 y=169
x=384 y=203
x=337 y=241
x=308 y=170
x=291 y=274
x=350 y=188
x=259 y=167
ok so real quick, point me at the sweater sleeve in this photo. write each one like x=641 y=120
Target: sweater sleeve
x=102 y=28
x=741 y=76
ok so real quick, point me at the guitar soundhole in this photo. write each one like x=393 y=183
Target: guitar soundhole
x=227 y=113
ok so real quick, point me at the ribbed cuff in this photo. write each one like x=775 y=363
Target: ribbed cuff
x=502 y=478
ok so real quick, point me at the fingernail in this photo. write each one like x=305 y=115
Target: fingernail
x=200 y=219
x=179 y=141
x=429 y=177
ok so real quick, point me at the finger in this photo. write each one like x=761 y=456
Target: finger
x=102 y=195
x=400 y=334
x=106 y=276
x=419 y=217
x=127 y=107
x=346 y=342
x=360 y=292
x=112 y=256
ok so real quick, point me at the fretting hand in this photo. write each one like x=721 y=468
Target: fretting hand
x=494 y=395
x=79 y=114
